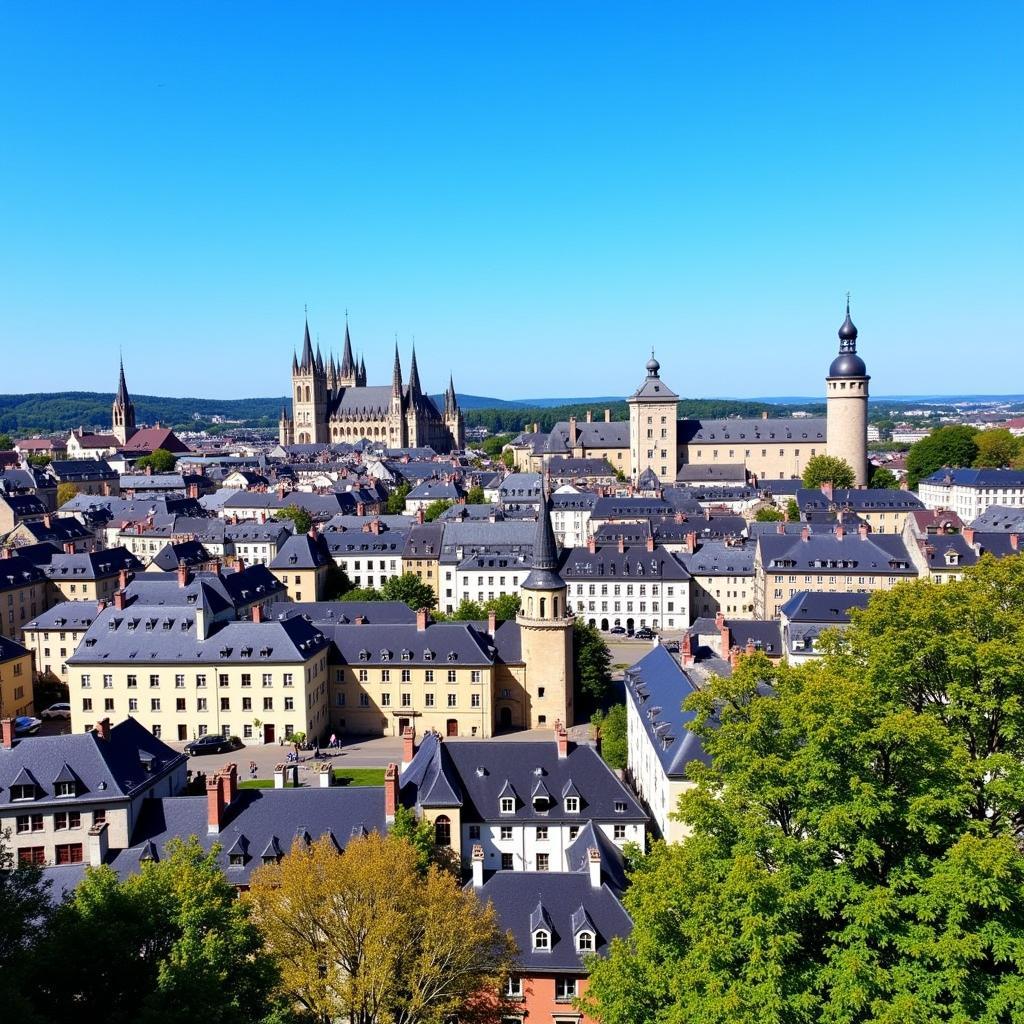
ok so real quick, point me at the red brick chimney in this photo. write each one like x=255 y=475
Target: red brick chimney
x=214 y=804
x=7 y=727
x=572 y=432
x=69 y=547
x=390 y=792
x=360 y=508
x=228 y=778
x=686 y=649
x=592 y=545
x=968 y=533
x=562 y=739
x=119 y=600
x=422 y=615
x=101 y=606
x=48 y=521
x=102 y=729
x=257 y=613
x=691 y=542
x=863 y=531
x=650 y=543
x=1014 y=541
x=408 y=744
x=122 y=579
x=239 y=564
x=492 y=617
x=193 y=490
x=734 y=656
x=182 y=574
x=719 y=619
x=750 y=646
x=375 y=527
x=419 y=517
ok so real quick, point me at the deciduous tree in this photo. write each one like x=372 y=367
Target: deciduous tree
x=591 y=663
x=160 y=460
x=435 y=509
x=612 y=726
x=408 y=588
x=365 y=937
x=824 y=469
x=396 y=499
x=996 y=448
x=65 y=492
x=301 y=519
x=954 y=446
x=883 y=479
x=767 y=514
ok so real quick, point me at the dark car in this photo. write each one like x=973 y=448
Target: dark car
x=26 y=725
x=211 y=744
x=618 y=630
x=671 y=645
x=644 y=633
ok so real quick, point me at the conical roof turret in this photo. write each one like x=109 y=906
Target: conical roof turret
x=414 y=375
x=396 y=375
x=308 y=363
x=348 y=366
x=544 y=569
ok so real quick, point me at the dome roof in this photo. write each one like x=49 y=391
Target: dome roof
x=848 y=332
x=653 y=366
x=848 y=364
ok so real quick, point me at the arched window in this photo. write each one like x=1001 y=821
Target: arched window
x=298 y=394
x=530 y=603
x=585 y=942
x=442 y=831
x=543 y=606
x=541 y=939
x=554 y=607
x=307 y=393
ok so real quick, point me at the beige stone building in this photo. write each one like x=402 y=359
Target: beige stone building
x=23 y=593
x=54 y=636
x=15 y=679
x=92 y=576
x=302 y=564
x=653 y=427
x=422 y=554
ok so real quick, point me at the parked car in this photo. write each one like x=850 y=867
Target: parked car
x=56 y=711
x=618 y=630
x=644 y=633
x=672 y=646
x=210 y=744
x=24 y=725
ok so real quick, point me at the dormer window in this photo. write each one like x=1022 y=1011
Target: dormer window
x=64 y=789
x=237 y=860
x=585 y=942
x=572 y=805
x=620 y=806
x=26 y=792
x=507 y=804
x=541 y=939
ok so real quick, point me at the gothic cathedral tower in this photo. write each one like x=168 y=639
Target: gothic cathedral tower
x=309 y=397
x=546 y=633
x=123 y=412
x=847 y=403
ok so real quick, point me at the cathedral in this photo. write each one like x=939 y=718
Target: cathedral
x=332 y=403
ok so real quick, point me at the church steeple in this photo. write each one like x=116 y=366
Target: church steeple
x=361 y=376
x=123 y=410
x=396 y=376
x=414 y=376
x=308 y=363
x=347 y=371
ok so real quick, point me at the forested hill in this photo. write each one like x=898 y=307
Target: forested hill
x=44 y=413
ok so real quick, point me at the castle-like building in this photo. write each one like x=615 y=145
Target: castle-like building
x=333 y=403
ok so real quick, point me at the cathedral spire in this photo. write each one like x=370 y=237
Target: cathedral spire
x=308 y=363
x=396 y=374
x=122 y=387
x=348 y=367
x=414 y=374
x=295 y=363
x=361 y=380
x=319 y=359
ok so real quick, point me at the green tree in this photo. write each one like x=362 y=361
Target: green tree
x=337 y=583
x=173 y=935
x=468 y=611
x=591 y=664
x=396 y=500
x=793 y=511
x=767 y=514
x=823 y=469
x=509 y=459
x=6 y=443
x=361 y=594
x=492 y=445
x=475 y=496
x=302 y=520
x=883 y=479
x=953 y=446
x=613 y=731
x=996 y=448
x=855 y=851
x=505 y=607
x=418 y=834
x=408 y=588
x=38 y=461
x=65 y=492
x=24 y=912
x=436 y=508
x=160 y=461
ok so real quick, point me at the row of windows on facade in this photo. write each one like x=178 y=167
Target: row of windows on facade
x=223 y=679
x=109 y=704
x=566 y=988
x=572 y=806
x=746 y=453
x=405 y=675
x=632 y=589
x=832 y=579
x=405 y=700
x=66 y=853
x=62 y=821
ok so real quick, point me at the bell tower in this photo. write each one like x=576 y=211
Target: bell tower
x=122 y=417
x=309 y=396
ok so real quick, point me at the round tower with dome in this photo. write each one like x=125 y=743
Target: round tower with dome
x=846 y=397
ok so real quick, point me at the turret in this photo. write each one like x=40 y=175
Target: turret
x=347 y=373
x=846 y=393
x=309 y=395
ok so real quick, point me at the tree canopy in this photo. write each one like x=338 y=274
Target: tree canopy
x=396 y=499
x=408 y=588
x=298 y=515
x=475 y=496
x=953 y=446
x=612 y=726
x=856 y=849
x=160 y=460
x=767 y=514
x=997 y=448
x=367 y=936
x=591 y=664
x=65 y=492
x=436 y=508
x=505 y=607
x=883 y=479
x=824 y=469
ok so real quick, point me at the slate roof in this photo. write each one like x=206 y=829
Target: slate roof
x=215 y=591
x=462 y=539
x=716 y=558
x=24 y=505
x=657 y=686
x=613 y=866
x=252 y=823
x=521 y=487
x=765 y=634
x=349 y=543
x=134 y=509
x=517 y=895
x=936 y=548
x=588 y=435
x=990 y=478
x=61 y=529
x=568 y=468
x=70 y=615
x=70 y=470
x=473 y=774
x=189 y=552
x=150 y=438
x=152 y=482
x=96 y=565
x=435 y=490
x=334 y=613
x=707 y=527
x=141 y=635
x=996 y=519
x=442 y=645
x=18 y=571
x=874 y=554
x=104 y=769
x=565 y=502
x=301 y=551
x=635 y=508
x=10 y=649
x=752 y=431
x=424 y=541
x=859 y=500
x=814 y=606
x=635 y=563
x=702 y=473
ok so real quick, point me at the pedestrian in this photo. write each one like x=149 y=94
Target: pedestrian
x=296 y=746
x=252 y=769
x=316 y=750
x=334 y=740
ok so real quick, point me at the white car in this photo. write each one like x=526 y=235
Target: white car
x=56 y=711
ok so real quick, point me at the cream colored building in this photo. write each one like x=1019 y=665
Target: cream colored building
x=653 y=427
x=24 y=593
x=15 y=679
x=301 y=565
x=54 y=636
x=184 y=676
x=422 y=554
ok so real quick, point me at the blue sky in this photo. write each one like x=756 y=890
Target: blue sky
x=537 y=192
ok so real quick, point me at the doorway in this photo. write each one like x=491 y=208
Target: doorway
x=452 y=727
x=403 y=724
x=268 y=733
x=505 y=718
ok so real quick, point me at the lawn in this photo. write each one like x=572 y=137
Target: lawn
x=342 y=777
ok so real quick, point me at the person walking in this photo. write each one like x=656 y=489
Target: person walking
x=334 y=741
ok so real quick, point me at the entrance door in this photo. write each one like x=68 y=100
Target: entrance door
x=182 y=732
x=505 y=718
x=268 y=734
x=629 y=626
x=604 y=625
x=403 y=724
x=452 y=727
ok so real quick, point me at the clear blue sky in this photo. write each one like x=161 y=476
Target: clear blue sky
x=538 y=192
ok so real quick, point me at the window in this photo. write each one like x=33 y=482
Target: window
x=514 y=988
x=428 y=675
x=451 y=675
x=98 y=817
x=542 y=833
x=154 y=704
x=385 y=700
x=32 y=855
x=364 y=700
x=565 y=990
x=442 y=831
x=222 y=679
x=428 y=700
x=65 y=789
x=572 y=805
x=506 y=831
x=542 y=861
x=474 y=831
x=585 y=942
x=574 y=831
x=287 y=679
x=541 y=939
x=474 y=699
x=87 y=704
x=268 y=679
x=69 y=853
x=154 y=680
x=201 y=679
x=618 y=831
x=133 y=704
x=508 y=805
x=406 y=675
x=289 y=703
x=29 y=823
x=66 y=819
x=620 y=806
x=475 y=676
x=452 y=699
x=247 y=679
x=506 y=862
x=268 y=703
x=406 y=700
x=247 y=703
x=179 y=682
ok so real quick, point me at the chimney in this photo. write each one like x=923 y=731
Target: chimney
x=764 y=414
x=419 y=516
x=750 y=646
x=686 y=650
x=119 y=600
x=106 y=490
x=862 y=529
x=478 y=866
x=48 y=521
x=422 y=615
x=607 y=415
x=826 y=489
x=312 y=533
x=216 y=565
x=572 y=432
x=257 y=613
x=1014 y=541
x=122 y=579
x=101 y=606
x=214 y=804
x=968 y=533
x=719 y=619
x=622 y=544
x=562 y=739
x=805 y=533
x=691 y=542
x=840 y=532
x=102 y=729
x=492 y=616
x=193 y=490
x=592 y=544
x=360 y=620
x=408 y=746
x=69 y=547
x=375 y=527
x=594 y=863
x=390 y=792
x=8 y=733
x=182 y=574
x=734 y=657
x=229 y=783
x=590 y=418
x=99 y=843
x=149 y=471
x=360 y=508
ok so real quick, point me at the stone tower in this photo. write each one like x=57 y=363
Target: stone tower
x=453 y=416
x=309 y=397
x=652 y=427
x=546 y=633
x=122 y=417
x=847 y=402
